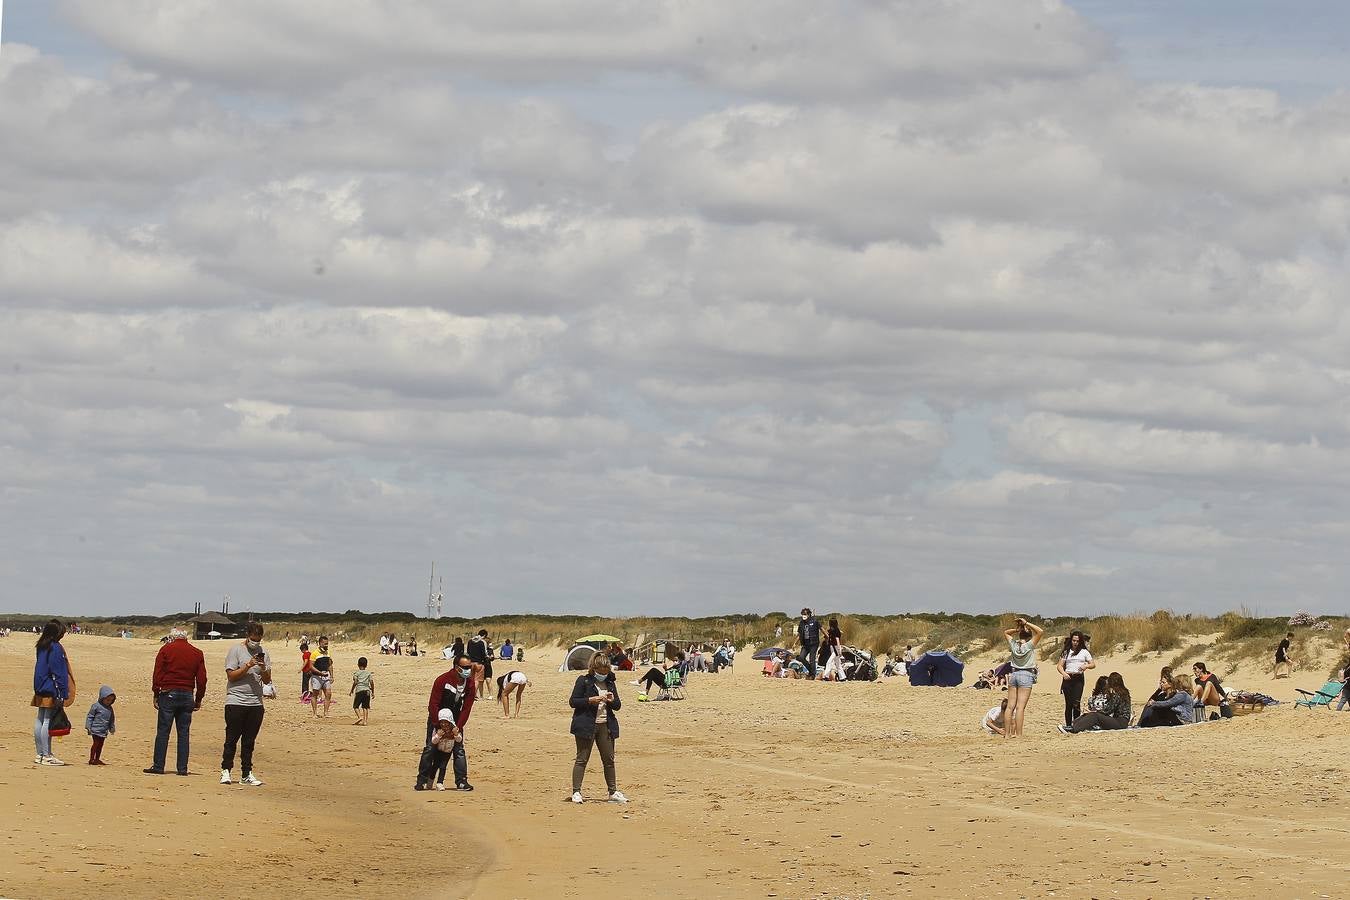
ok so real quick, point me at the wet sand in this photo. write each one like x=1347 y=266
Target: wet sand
x=749 y=788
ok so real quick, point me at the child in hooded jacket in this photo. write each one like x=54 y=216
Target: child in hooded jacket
x=100 y=722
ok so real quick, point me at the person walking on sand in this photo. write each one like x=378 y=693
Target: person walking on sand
x=305 y=671
x=1073 y=662
x=478 y=655
x=321 y=679
x=362 y=691
x=53 y=689
x=1023 y=638
x=1284 y=663
x=247 y=668
x=595 y=699
x=177 y=687
x=834 y=640
x=808 y=635
x=454 y=690
x=100 y=722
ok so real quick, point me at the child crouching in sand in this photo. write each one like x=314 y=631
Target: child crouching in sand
x=100 y=722
x=436 y=756
x=994 y=719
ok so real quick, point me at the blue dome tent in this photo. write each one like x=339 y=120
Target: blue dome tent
x=936 y=668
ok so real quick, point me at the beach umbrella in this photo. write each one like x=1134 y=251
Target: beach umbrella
x=770 y=652
x=602 y=638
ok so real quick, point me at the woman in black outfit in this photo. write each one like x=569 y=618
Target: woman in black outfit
x=1073 y=663
x=655 y=677
x=1115 y=709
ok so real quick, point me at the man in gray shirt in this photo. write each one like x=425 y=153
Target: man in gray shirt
x=247 y=668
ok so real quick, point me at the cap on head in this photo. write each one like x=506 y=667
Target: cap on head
x=445 y=715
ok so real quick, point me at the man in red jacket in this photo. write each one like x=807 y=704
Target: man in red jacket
x=178 y=685
x=454 y=690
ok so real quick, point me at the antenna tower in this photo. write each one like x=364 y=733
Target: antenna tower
x=431 y=586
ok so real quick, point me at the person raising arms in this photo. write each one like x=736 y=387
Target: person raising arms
x=1023 y=638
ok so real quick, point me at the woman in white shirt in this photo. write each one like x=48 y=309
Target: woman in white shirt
x=1073 y=662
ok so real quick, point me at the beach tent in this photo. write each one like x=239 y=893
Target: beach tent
x=770 y=653
x=936 y=668
x=579 y=657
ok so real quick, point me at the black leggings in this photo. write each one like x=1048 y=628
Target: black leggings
x=1153 y=717
x=1092 y=720
x=654 y=679
x=1073 y=697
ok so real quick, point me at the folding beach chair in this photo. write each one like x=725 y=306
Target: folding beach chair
x=673 y=689
x=1329 y=692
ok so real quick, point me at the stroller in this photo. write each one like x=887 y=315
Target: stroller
x=863 y=667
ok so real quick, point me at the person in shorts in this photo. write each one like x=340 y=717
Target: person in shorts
x=512 y=682
x=1023 y=639
x=321 y=679
x=362 y=691
x=1284 y=663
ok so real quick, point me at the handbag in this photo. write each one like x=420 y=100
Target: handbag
x=60 y=724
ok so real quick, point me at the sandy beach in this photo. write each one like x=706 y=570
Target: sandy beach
x=749 y=788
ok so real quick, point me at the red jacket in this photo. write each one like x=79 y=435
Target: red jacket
x=179 y=667
x=439 y=694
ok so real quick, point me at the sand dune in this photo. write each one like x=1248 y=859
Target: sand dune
x=748 y=788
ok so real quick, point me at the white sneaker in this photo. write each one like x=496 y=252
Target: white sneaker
x=225 y=776
x=617 y=797
x=440 y=786
x=577 y=798
x=51 y=761
x=37 y=760
x=252 y=779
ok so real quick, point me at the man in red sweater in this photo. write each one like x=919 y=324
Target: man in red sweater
x=178 y=684
x=454 y=690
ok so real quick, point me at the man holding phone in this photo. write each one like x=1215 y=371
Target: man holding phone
x=247 y=668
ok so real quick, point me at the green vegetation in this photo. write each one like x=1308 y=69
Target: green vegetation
x=1233 y=639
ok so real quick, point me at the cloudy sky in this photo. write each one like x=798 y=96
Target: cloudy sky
x=676 y=307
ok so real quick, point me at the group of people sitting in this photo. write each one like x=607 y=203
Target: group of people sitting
x=390 y=645
x=1178 y=700
x=784 y=665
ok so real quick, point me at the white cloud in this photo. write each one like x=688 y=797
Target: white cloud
x=877 y=305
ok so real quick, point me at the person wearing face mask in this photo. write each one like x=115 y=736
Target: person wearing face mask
x=595 y=699
x=808 y=634
x=454 y=690
x=247 y=668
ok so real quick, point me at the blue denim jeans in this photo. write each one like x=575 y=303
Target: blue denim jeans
x=42 y=737
x=175 y=711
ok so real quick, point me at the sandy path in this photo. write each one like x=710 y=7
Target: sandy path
x=748 y=788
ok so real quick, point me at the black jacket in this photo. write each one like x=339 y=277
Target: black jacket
x=583 y=712
x=808 y=632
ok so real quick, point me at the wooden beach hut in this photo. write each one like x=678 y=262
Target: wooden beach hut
x=209 y=622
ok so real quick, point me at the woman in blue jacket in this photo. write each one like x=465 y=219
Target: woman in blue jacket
x=595 y=699
x=52 y=689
